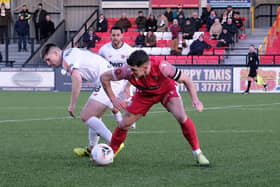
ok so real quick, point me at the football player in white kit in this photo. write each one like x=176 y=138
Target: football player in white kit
x=85 y=65
x=116 y=52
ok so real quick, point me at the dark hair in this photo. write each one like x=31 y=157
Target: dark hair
x=137 y=58
x=40 y=4
x=46 y=49
x=117 y=28
x=252 y=45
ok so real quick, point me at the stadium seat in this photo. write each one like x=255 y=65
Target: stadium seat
x=277 y=59
x=147 y=50
x=167 y=36
x=165 y=51
x=266 y=59
x=157 y=58
x=159 y=35
x=156 y=51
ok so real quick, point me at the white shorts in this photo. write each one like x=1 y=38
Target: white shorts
x=100 y=95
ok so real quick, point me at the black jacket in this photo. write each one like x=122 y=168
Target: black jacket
x=42 y=15
x=140 y=40
x=22 y=27
x=197 y=47
x=89 y=41
x=102 y=26
x=47 y=28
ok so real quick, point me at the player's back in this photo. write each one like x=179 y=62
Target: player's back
x=90 y=65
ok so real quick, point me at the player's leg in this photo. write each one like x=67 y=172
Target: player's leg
x=91 y=114
x=119 y=135
x=248 y=85
x=176 y=107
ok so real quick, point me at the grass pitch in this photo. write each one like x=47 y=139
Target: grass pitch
x=239 y=134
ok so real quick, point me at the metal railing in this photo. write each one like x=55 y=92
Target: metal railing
x=271 y=14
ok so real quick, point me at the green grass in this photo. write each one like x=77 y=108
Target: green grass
x=239 y=134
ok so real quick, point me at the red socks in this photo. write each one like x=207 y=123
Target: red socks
x=189 y=131
x=118 y=138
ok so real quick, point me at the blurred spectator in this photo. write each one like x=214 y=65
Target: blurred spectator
x=232 y=29
x=181 y=20
x=237 y=20
x=223 y=18
x=162 y=24
x=25 y=13
x=177 y=45
x=175 y=29
x=198 y=46
x=188 y=30
x=1 y=57
x=196 y=21
x=150 y=39
x=206 y=13
x=5 y=19
x=168 y=14
x=151 y=23
x=102 y=24
x=140 y=39
x=90 y=38
x=123 y=23
x=230 y=11
x=216 y=29
x=179 y=12
x=38 y=18
x=141 y=21
x=22 y=29
x=211 y=19
x=225 y=39
x=47 y=28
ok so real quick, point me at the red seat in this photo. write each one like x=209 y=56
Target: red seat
x=157 y=58
x=171 y=58
x=266 y=59
x=161 y=43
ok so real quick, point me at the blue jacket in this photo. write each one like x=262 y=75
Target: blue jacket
x=22 y=27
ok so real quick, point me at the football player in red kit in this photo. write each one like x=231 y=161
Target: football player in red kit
x=155 y=82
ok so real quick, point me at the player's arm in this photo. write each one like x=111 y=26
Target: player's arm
x=106 y=79
x=76 y=88
x=179 y=76
x=183 y=78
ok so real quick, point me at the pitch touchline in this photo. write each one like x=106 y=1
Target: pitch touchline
x=152 y=112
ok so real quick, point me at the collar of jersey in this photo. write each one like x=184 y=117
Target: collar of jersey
x=115 y=47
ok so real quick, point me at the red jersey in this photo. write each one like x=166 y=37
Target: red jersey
x=157 y=82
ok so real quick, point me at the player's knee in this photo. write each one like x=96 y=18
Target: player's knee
x=181 y=119
x=125 y=125
x=84 y=117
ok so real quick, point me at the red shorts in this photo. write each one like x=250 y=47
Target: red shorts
x=140 y=104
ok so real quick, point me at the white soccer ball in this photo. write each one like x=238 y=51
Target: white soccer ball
x=102 y=154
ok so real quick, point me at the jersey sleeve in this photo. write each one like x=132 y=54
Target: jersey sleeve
x=70 y=61
x=121 y=73
x=167 y=69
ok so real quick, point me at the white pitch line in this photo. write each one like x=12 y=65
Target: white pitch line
x=152 y=112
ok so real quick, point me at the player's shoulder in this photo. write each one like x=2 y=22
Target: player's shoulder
x=106 y=46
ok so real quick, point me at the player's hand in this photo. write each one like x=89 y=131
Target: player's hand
x=198 y=105
x=71 y=110
x=118 y=103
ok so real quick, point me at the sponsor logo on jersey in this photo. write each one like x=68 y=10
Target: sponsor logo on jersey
x=116 y=64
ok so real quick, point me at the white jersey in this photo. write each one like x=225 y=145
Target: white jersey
x=116 y=56
x=90 y=65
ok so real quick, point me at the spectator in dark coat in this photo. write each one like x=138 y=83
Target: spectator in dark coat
x=123 y=23
x=196 y=21
x=5 y=19
x=225 y=39
x=102 y=24
x=25 y=13
x=206 y=13
x=230 y=11
x=150 y=39
x=90 y=38
x=175 y=29
x=1 y=57
x=47 y=28
x=181 y=20
x=232 y=29
x=151 y=24
x=211 y=20
x=22 y=29
x=38 y=18
x=168 y=14
x=198 y=46
x=141 y=21
x=188 y=30
x=140 y=39
x=237 y=20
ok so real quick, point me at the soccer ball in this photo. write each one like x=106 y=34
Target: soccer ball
x=102 y=154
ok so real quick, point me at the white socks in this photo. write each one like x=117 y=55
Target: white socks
x=118 y=116
x=196 y=152
x=93 y=138
x=99 y=128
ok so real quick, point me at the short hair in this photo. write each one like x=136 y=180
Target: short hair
x=252 y=45
x=40 y=4
x=117 y=28
x=46 y=49
x=137 y=58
